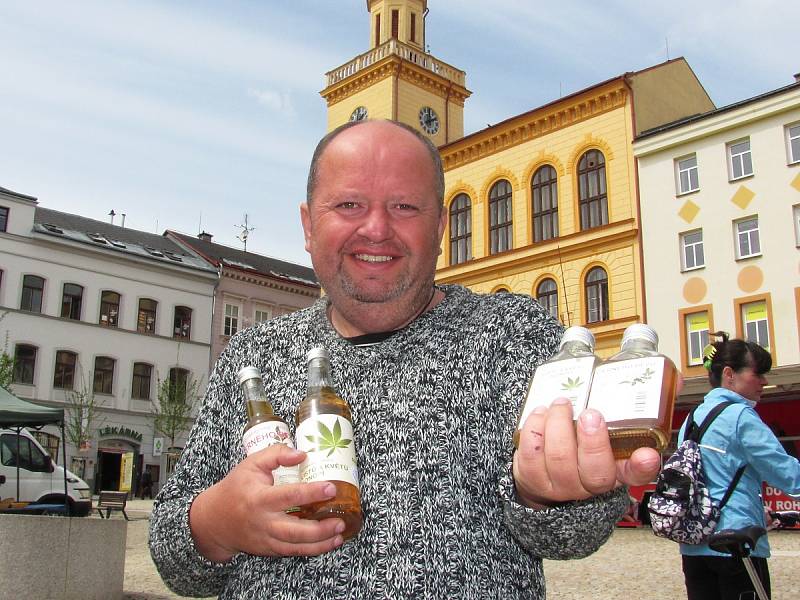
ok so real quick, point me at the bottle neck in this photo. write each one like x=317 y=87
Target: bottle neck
x=319 y=374
x=639 y=346
x=575 y=348
x=256 y=397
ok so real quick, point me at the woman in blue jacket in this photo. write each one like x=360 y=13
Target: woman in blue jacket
x=737 y=437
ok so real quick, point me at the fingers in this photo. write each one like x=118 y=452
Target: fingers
x=277 y=455
x=642 y=467
x=291 y=536
x=558 y=460
x=596 y=465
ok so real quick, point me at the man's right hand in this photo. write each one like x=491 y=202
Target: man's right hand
x=245 y=512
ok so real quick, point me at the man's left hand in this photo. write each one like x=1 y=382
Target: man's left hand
x=559 y=462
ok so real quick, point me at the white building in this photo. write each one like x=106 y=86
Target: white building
x=97 y=308
x=720 y=204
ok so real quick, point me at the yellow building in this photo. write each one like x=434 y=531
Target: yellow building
x=544 y=203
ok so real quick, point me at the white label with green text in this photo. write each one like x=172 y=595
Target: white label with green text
x=268 y=434
x=328 y=441
x=628 y=389
x=568 y=378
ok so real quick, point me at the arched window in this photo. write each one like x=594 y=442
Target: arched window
x=501 y=290
x=32 y=292
x=182 y=326
x=109 y=308
x=178 y=384
x=460 y=229
x=103 y=375
x=24 y=364
x=64 y=376
x=140 y=388
x=544 y=190
x=547 y=296
x=146 y=319
x=500 y=238
x=71 y=301
x=596 y=287
x=592 y=190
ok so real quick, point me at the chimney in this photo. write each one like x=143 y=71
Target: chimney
x=797 y=77
x=206 y=237
x=112 y=214
x=123 y=220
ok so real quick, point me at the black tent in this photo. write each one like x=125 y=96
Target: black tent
x=16 y=414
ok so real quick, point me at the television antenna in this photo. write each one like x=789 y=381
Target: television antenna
x=245 y=232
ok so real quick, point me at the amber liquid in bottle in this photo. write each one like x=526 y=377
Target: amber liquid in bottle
x=264 y=428
x=567 y=374
x=635 y=390
x=325 y=434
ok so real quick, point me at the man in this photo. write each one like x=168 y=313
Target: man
x=435 y=378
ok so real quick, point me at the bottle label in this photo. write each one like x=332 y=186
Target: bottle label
x=328 y=441
x=628 y=389
x=569 y=378
x=268 y=434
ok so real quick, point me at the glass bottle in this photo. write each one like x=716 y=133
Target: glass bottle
x=325 y=434
x=264 y=428
x=567 y=374
x=635 y=391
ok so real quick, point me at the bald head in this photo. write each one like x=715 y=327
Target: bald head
x=402 y=129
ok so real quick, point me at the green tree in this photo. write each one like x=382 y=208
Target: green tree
x=83 y=412
x=6 y=362
x=172 y=410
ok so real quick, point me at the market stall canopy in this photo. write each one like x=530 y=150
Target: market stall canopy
x=19 y=413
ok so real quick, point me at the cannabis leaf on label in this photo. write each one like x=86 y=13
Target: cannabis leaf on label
x=643 y=378
x=328 y=440
x=571 y=383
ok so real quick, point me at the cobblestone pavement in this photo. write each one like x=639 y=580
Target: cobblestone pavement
x=633 y=565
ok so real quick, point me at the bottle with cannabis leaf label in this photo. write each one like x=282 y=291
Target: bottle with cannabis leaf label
x=325 y=434
x=635 y=391
x=568 y=374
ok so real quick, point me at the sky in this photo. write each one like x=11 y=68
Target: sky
x=189 y=115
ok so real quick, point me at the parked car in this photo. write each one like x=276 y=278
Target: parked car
x=40 y=480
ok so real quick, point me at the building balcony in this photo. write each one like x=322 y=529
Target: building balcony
x=394 y=47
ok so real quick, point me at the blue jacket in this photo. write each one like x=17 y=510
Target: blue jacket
x=738 y=436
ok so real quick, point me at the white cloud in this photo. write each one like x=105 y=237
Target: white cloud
x=279 y=102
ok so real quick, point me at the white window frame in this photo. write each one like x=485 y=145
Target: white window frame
x=694 y=246
x=793 y=143
x=741 y=160
x=751 y=236
x=702 y=336
x=765 y=321
x=267 y=310
x=230 y=321
x=796 y=216
x=680 y=170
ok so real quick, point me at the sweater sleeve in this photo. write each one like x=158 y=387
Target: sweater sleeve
x=569 y=530
x=210 y=452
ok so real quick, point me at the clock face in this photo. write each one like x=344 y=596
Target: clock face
x=359 y=114
x=429 y=120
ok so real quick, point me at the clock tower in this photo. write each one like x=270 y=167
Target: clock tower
x=397 y=79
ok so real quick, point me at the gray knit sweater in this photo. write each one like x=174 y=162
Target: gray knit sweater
x=434 y=408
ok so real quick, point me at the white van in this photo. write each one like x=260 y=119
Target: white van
x=40 y=480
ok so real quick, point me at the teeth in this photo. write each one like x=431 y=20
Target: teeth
x=371 y=258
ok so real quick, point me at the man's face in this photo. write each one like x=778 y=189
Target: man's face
x=374 y=226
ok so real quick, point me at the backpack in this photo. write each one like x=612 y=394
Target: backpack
x=681 y=508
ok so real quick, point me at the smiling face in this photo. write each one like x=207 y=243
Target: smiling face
x=374 y=227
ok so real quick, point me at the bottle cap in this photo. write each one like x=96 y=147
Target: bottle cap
x=248 y=373
x=578 y=334
x=640 y=331
x=318 y=352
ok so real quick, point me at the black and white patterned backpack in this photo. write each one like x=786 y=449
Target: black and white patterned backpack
x=681 y=508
